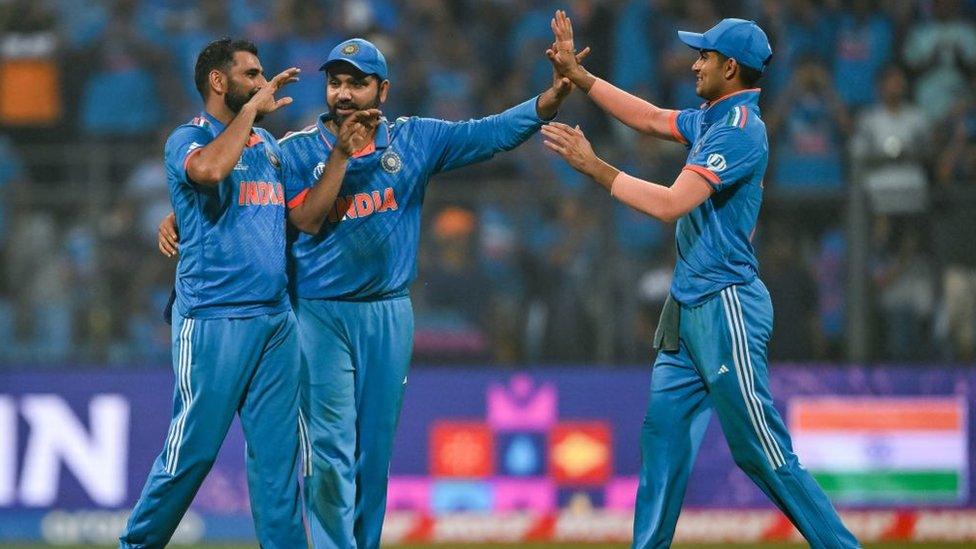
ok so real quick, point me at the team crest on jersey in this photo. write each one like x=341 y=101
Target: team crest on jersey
x=318 y=170
x=350 y=49
x=391 y=162
x=715 y=162
x=275 y=161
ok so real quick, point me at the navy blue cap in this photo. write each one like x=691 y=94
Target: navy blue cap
x=739 y=39
x=361 y=54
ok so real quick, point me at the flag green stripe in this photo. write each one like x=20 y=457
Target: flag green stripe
x=919 y=483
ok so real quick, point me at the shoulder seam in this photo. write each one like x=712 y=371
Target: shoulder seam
x=307 y=131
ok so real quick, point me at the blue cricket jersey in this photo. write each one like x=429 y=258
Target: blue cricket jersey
x=714 y=241
x=232 y=235
x=367 y=247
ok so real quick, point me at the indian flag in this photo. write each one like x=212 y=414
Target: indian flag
x=883 y=450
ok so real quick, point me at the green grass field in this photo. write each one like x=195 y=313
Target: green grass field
x=550 y=546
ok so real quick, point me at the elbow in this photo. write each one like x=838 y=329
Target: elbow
x=307 y=226
x=205 y=175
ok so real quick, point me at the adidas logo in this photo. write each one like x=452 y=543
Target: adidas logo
x=239 y=166
x=723 y=370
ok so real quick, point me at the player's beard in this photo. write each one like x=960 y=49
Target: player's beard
x=236 y=98
x=334 y=109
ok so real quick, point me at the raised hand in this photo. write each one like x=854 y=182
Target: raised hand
x=357 y=129
x=264 y=101
x=562 y=29
x=562 y=54
x=571 y=144
x=561 y=84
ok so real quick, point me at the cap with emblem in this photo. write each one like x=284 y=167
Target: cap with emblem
x=361 y=54
x=739 y=39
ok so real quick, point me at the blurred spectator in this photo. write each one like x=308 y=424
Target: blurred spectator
x=454 y=296
x=799 y=29
x=38 y=268
x=830 y=273
x=807 y=125
x=890 y=146
x=190 y=29
x=560 y=323
x=955 y=226
x=905 y=281
x=635 y=54
x=30 y=82
x=122 y=96
x=957 y=162
x=306 y=46
x=794 y=293
x=863 y=48
x=941 y=50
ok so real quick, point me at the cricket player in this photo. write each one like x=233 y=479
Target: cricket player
x=716 y=325
x=352 y=280
x=235 y=340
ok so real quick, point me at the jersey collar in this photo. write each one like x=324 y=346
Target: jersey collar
x=718 y=108
x=380 y=141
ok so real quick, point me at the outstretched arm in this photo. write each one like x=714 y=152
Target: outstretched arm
x=629 y=109
x=665 y=203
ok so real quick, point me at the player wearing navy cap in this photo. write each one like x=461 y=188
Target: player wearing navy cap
x=717 y=322
x=235 y=341
x=352 y=279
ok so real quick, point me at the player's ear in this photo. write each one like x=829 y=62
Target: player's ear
x=218 y=82
x=384 y=89
x=731 y=68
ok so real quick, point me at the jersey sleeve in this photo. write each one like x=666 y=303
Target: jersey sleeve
x=182 y=144
x=456 y=144
x=726 y=156
x=683 y=125
x=297 y=180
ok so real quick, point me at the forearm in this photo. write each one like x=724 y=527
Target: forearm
x=215 y=161
x=311 y=213
x=664 y=203
x=633 y=111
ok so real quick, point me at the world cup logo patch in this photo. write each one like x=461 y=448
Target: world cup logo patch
x=391 y=162
x=350 y=49
x=716 y=162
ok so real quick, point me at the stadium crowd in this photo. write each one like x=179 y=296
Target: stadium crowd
x=523 y=261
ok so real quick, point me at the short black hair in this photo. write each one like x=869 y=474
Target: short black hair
x=219 y=55
x=747 y=75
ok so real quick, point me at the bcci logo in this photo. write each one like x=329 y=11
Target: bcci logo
x=350 y=49
x=715 y=162
x=391 y=162
x=273 y=158
x=317 y=172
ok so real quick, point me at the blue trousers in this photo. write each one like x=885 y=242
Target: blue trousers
x=224 y=366
x=355 y=357
x=721 y=366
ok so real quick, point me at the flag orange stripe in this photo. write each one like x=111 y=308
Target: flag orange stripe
x=876 y=415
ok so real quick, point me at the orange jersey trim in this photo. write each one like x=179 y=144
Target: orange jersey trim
x=704 y=172
x=673 y=123
x=298 y=199
x=368 y=149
